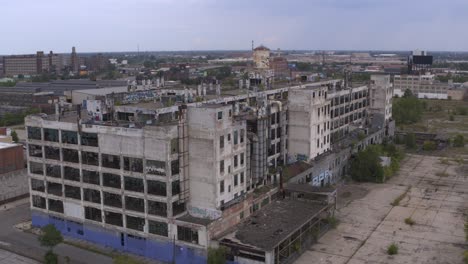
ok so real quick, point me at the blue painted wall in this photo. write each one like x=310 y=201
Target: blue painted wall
x=154 y=249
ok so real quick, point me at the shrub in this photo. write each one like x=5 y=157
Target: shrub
x=409 y=221
x=459 y=141
x=392 y=249
x=332 y=221
x=462 y=110
x=410 y=140
x=429 y=145
x=451 y=118
x=216 y=255
x=50 y=258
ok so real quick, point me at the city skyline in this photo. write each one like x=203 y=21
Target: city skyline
x=163 y=25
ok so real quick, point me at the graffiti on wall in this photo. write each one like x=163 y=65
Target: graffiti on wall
x=323 y=176
x=204 y=212
x=139 y=96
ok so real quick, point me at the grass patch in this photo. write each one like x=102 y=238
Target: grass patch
x=402 y=196
x=392 y=249
x=89 y=248
x=409 y=221
x=442 y=174
x=465 y=257
x=444 y=161
x=332 y=221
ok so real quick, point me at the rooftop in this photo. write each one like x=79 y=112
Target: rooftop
x=268 y=227
x=8 y=145
x=307 y=188
x=195 y=220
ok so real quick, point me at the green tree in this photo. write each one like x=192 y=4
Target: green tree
x=366 y=166
x=217 y=255
x=407 y=110
x=50 y=237
x=14 y=136
x=410 y=140
x=50 y=258
x=459 y=141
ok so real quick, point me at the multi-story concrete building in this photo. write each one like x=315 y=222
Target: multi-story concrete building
x=422 y=86
x=159 y=179
x=32 y=64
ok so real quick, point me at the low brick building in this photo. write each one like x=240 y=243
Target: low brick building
x=11 y=157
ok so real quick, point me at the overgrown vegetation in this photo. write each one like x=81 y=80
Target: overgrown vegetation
x=392 y=249
x=429 y=145
x=216 y=255
x=409 y=221
x=10 y=119
x=50 y=237
x=408 y=109
x=332 y=221
x=402 y=196
x=459 y=141
x=14 y=136
x=366 y=166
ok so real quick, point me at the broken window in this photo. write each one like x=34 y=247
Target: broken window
x=236 y=161
x=89 y=158
x=113 y=218
x=89 y=139
x=110 y=161
x=178 y=208
x=174 y=167
x=36 y=168
x=221 y=142
x=72 y=192
x=221 y=167
x=55 y=205
x=70 y=155
x=52 y=153
x=242 y=159
x=51 y=135
x=136 y=223
x=156 y=167
x=187 y=234
x=158 y=228
x=112 y=199
x=175 y=187
x=220 y=115
x=236 y=180
x=134 y=204
x=35 y=151
x=156 y=187
x=221 y=186
x=54 y=188
x=53 y=171
x=236 y=137
x=72 y=174
x=242 y=178
x=133 y=184
x=111 y=180
x=69 y=137
x=93 y=196
x=34 y=133
x=133 y=164
x=157 y=208
x=92 y=213
x=38 y=201
x=37 y=185
x=91 y=177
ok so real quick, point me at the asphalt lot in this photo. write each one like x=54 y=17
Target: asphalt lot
x=436 y=201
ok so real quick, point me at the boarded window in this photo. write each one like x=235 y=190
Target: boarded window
x=36 y=168
x=93 y=196
x=34 y=133
x=157 y=208
x=111 y=180
x=134 y=204
x=89 y=139
x=69 y=137
x=156 y=187
x=51 y=135
x=158 y=228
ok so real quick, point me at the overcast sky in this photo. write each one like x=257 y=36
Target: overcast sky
x=122 y=25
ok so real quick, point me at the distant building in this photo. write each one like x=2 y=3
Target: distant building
x=419 y=62
x=32 y=64
x=11 y=157
x=261 y=57
x=280 y=67
x=422 y=86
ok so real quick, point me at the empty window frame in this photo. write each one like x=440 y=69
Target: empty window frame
x=242 y=159
x=187 y=234
x=156 y=187
x=178 y=207
x=135 y=223
x=156 y=167
x=174 y=167
x=89 y=158
x=72 y=192
x=51 y=135
x=93 y=196
x=157 y=208
x=91 y=177
x=221 y=142
x=93 y=214
x=36 y=168
x=158 y=228
x=72 y=174
x=236 y=180
x=69 y=137
x=112 y=199
x=55 y=205
x=174 y=145
x=37 y=185
x=110 y=161
x=221 y=167
x=134 y=204
x=38 y=202
x=70 y=155
x=221 y=186
x=35 y=151
x=220 y=115
x=111 y=180
x=134 y=184
x=54 y=188
x=236 y=137
x=53 y=171
x=133 y=164
x=52 y=153
x=34 y=133
x=89 y=139
x=175 y=187
x=113 y=218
